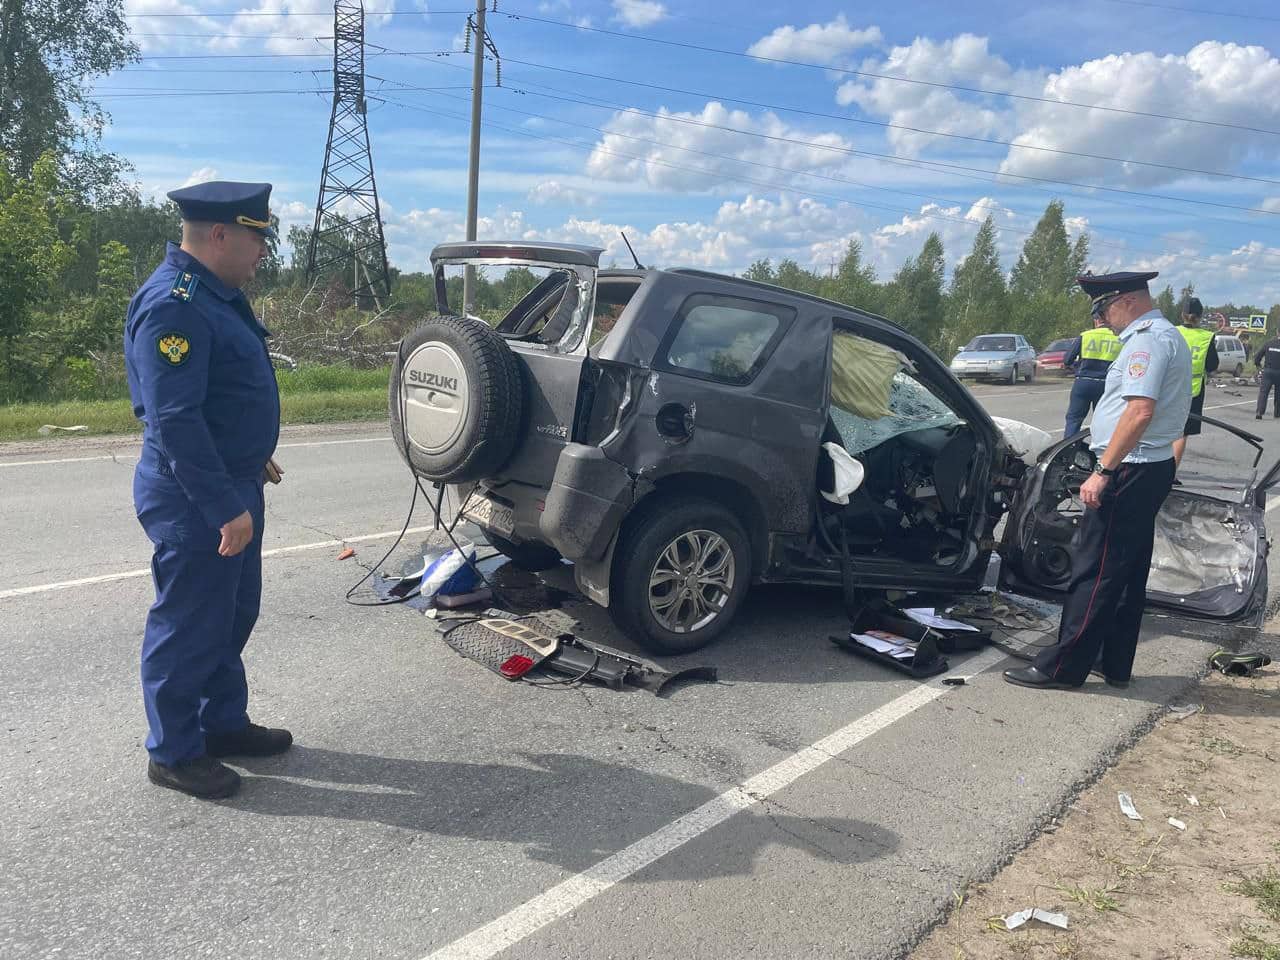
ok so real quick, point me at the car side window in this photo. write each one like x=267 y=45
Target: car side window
x=724 y=338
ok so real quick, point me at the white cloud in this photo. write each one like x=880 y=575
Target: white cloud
x=964 y=60
x=639 y=13
x=201 y=175
x=149 y=17
x=1272 y=204
x=622 y=154
x=553 y=191
x=818 y=42
x=1221 y=81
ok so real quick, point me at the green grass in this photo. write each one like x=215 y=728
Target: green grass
x=307 y=395
x=1255 y=948
x=1265 y=888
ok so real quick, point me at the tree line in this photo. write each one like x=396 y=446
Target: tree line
x=77 y=239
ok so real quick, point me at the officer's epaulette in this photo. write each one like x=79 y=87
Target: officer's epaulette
x=1144 y=325
x=184 y=286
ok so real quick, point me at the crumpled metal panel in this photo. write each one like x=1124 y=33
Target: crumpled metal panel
x=1202 y=545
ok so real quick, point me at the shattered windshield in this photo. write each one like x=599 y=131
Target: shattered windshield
x=875 y=397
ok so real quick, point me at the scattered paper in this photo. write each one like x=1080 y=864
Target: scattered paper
x=1192 y=800
x=930 y=618
x=1015 y=920
x=346 y=554
x=1177 y=824
x=1127 y=807
x=882 y=641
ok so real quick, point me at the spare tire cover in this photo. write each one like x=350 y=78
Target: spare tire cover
x=457 y=400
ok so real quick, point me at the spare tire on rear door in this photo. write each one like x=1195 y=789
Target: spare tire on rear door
x=457 y=399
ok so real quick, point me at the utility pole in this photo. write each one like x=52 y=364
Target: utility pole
x=476 y=26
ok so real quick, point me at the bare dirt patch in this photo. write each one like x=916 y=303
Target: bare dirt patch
x=1145 y=889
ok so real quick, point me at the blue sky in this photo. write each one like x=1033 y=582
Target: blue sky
x=717 y=159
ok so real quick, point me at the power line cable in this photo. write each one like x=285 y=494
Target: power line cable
x=517 y=87
x=1200 y=10
x=782 y=188
x=893 y=78
x=957 y=171
x=328 y=15
x=881 y=156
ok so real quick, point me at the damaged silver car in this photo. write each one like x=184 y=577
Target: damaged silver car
x=679 y=436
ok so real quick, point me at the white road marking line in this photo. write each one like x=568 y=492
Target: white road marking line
x=1219 y=406
x=526 y=919
x=146 y=571
x=133 y=455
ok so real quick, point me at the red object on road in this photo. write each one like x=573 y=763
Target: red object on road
x=515 y=667
x=346 y=554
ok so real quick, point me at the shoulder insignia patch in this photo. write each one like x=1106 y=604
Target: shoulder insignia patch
x=1138 y=363
x=175 y=348
x=184 y=286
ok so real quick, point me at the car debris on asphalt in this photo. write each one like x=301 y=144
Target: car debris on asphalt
x=1127 y=807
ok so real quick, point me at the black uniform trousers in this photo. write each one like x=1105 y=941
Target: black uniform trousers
x=1267 y=381
x=1108 y=589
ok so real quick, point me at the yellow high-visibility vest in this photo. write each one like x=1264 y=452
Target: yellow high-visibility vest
x=1099 y=344
x=1198 y=340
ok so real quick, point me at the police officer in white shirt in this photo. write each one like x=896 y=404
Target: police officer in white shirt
x=1142 y=412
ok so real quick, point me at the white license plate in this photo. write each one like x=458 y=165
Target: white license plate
x=493 y=516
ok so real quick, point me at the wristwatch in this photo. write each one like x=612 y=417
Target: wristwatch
x=1102 y=471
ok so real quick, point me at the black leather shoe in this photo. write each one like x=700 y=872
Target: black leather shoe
x=1118 y=684
x=252 y=741
x=1258 y=417
x=1032 y=677
x=203 y=777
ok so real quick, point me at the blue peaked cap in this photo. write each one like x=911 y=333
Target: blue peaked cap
x=225 y=201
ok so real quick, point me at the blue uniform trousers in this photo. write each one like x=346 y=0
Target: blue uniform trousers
x=1085 y=394
x=206 y=605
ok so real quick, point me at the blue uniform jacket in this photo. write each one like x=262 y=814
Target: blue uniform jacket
x=202 y=384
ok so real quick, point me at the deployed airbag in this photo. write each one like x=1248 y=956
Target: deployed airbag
x=849 y=474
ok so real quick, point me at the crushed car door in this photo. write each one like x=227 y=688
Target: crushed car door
x=548 y=330
x=1210 y=556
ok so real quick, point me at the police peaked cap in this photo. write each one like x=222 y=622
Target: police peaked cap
x=224 y=201
x=1102 y=287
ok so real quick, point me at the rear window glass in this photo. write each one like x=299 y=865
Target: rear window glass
x=724 y=338
x=990 y=344
x=1057 y=345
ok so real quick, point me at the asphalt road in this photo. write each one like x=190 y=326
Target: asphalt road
x=807 y=805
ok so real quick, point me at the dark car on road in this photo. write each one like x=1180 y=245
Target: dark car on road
x=694 y=449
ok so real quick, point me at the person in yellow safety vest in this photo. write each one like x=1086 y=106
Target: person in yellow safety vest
x=1204 y=360
x=1091 y=355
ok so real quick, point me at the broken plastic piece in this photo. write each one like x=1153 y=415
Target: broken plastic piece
x=346 y=554
x=1127 y=807
x=1177 y=824
x=1240 y=664
x=1193 y=801
x=1015 y=920
x=955 y=681
x=1180 y=711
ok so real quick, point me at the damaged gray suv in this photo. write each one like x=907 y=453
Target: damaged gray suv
x=679 y=436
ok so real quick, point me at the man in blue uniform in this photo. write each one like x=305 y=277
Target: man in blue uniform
x=203 y=386
x=1142 y=412
x=1092 y=354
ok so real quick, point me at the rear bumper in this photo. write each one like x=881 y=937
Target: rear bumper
x=589 y=496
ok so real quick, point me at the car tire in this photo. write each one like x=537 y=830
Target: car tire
x=456 y=400
x=531 y=556
x=1012 y=379
x=1239 y=372
x=1031 y=377
x=657 y=539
